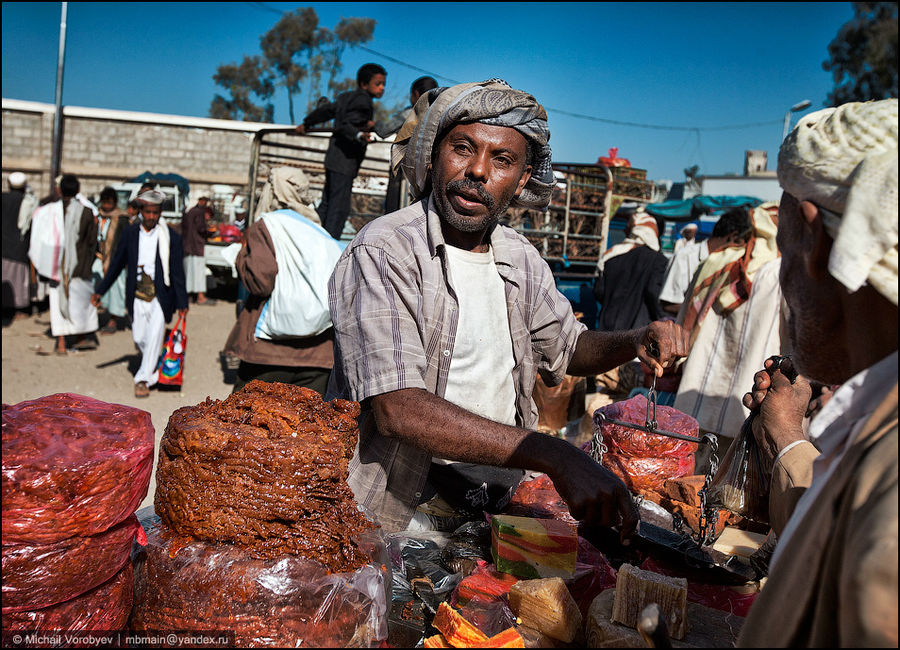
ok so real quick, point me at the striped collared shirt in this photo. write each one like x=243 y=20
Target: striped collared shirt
x=395 y=317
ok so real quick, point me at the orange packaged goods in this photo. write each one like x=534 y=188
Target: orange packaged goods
x=646 y=460
x=457 y=632
x=72 y=465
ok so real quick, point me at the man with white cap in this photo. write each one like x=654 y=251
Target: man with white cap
x=443 y=319
x=688 y=232
x=154 y=286
x=833 y=496
x=17 y=208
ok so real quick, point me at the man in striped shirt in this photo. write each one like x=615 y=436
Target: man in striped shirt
x=443 y=318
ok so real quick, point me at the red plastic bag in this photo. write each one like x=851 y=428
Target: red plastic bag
x=72 y=465
x=613 y=160
x=171 y=363
x=631 y=442
x=647 y=473
x=41 y=575
x=105 y=609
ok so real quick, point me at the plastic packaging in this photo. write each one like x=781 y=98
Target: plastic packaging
x=468 y=544
x=539 y=498
x=282 y=602
x=42 y=575
x=72 y=466
x=632 y=442
x=104 y=608
x=741 y=484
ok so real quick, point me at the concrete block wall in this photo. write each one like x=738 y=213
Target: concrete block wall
x=104 y=147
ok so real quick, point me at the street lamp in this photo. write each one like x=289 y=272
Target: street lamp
x=787 y=116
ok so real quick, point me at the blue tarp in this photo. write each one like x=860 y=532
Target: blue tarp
x=691 y=209
x=180 y=181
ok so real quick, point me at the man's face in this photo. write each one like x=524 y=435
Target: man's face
x=375 y=87
x=813 y=313
x=689 y=234
x=478 y=169
x=150 y=216
x=108 y=205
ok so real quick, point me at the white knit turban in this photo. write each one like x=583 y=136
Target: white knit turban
x=844 y=160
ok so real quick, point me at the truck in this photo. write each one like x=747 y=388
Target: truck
x=579 y=225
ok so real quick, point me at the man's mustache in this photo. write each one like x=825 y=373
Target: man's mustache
x=468 y=184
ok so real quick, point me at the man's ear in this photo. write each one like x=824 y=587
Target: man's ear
x=819 y=245
x=526 y=176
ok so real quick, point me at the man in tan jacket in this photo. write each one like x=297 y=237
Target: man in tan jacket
x=833 y=504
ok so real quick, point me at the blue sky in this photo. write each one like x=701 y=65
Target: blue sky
x=702 y=65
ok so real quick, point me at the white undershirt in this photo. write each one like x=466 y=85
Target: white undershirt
x=480 y=377
x=147 y=245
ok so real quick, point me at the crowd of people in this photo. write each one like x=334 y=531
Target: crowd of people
x=438 y=319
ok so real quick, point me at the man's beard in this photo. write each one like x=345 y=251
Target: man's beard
x=466 y=223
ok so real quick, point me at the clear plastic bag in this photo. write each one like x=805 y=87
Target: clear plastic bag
x=282 y=602
x=741 y=484
x=38 y=576
x=72 y=466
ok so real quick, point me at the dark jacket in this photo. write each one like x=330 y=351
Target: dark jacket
x=170 y=298
x=351 y=112
x=15 y=246
x=193 y=231
x=628 y=289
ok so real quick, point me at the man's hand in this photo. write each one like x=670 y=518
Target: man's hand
x=95 y=299
x=301 y=129
x=595 y=495
x=661 y=343
x=782 y=406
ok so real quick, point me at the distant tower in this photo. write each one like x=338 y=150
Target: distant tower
x=754 y=162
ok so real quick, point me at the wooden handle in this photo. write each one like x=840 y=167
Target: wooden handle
x=652 y=627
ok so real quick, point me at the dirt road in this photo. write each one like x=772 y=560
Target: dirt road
x=106 y=373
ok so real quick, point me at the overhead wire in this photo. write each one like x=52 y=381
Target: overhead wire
x=593 y=118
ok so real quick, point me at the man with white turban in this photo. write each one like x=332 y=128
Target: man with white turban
x=18 y=205
x=443 y=319
x=833 y=505
x=152 y=253
x=630 y=276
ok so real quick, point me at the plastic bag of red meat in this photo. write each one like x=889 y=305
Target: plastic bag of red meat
x=72 y=466
x=632 y=442
x=41 y=575
x=647 y=473
x=288 y=601
x=104 y=608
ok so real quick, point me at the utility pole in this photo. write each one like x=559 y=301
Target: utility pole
x=57 y=116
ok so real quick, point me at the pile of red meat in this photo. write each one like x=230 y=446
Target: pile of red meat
x=74 y=471
x=646 y=460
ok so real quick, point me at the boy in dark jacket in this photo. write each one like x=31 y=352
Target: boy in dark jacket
x=352 y=113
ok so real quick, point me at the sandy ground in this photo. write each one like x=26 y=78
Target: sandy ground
x=106 y=373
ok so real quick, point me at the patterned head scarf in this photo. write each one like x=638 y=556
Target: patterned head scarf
x=491 y=102
x=642 y=231
x=844 y=160
x=724 y=281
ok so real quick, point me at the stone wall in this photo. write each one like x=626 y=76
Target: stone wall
x=104 y=147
